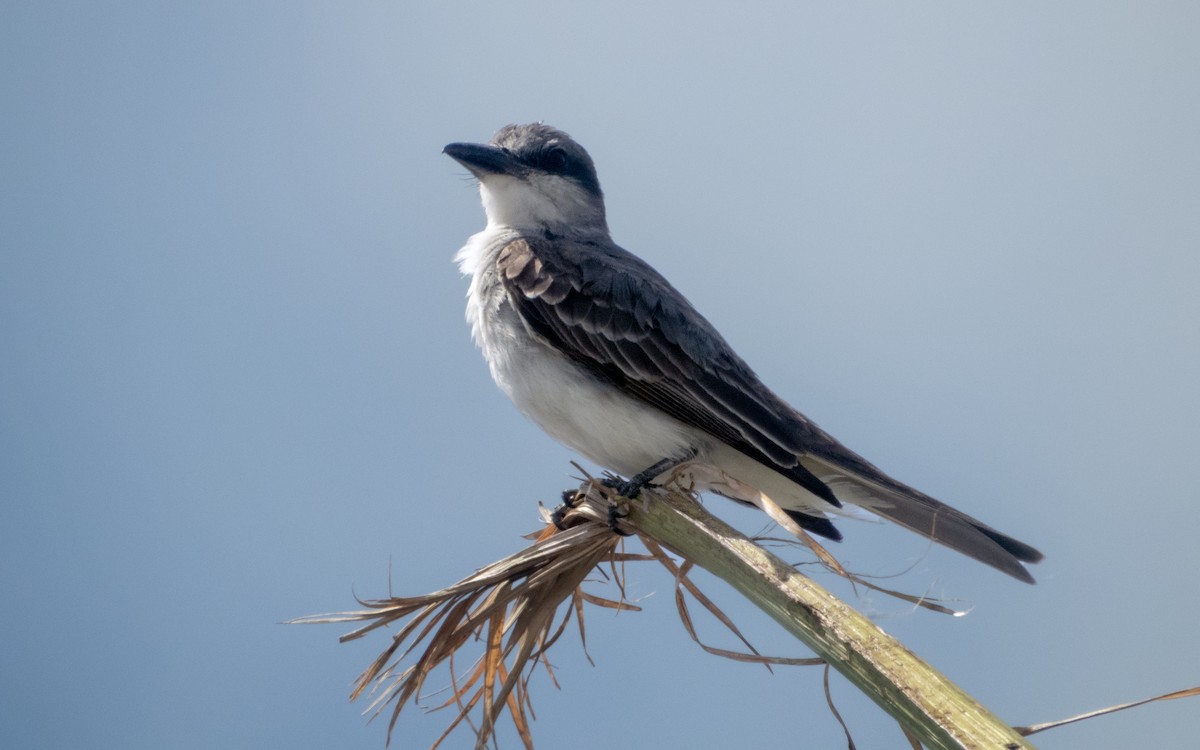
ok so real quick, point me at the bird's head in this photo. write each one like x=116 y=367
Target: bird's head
x=535 y=177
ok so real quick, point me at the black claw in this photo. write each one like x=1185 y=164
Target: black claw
x=570 y=500
x=615 y=514
x=628 y=488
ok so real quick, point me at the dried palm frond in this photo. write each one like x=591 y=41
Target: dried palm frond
x=509 y=606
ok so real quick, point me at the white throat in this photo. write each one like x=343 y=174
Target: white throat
x=541 y=201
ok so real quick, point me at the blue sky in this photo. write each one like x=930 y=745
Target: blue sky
x=237 y=385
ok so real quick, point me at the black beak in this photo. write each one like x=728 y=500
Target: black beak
x=484 y=160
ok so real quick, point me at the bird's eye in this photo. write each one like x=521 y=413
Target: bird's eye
x=554 y=160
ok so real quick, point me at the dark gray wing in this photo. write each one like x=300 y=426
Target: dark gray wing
x=637 y=332
x=616 y=316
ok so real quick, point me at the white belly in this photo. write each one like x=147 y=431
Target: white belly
x=575 y=408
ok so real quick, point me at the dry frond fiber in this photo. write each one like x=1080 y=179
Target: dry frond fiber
x=509 y=607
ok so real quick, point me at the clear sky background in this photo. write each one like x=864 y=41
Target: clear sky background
x=236 y=385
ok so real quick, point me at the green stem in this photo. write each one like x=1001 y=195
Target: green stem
x=929 y=705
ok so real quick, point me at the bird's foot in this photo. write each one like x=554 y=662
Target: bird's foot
x=631 y=488
x=627 y=488
x=615 y=514
x=570 y=501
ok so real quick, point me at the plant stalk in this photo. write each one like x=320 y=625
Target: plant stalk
x=931 y=707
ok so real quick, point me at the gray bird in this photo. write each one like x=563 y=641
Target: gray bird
x=608 y=358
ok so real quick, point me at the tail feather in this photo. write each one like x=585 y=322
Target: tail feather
x=819 y=525
x=917 y=511
x=959 y=531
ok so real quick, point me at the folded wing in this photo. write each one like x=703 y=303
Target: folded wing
x=614 y=315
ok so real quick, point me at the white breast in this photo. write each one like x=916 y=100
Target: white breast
x=568 y=402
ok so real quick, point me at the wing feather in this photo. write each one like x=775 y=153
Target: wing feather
x=645 y=338
x=616 y=316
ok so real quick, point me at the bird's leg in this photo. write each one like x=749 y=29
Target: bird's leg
x=631 y=488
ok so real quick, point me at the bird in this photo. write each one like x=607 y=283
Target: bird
x=607 y=357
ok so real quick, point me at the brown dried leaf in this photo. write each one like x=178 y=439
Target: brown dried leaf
x=1035 y=728
x=833 y=710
